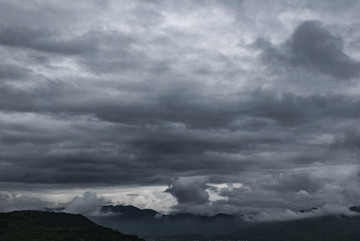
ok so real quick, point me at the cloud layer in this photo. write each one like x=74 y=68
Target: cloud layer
x=185 y=94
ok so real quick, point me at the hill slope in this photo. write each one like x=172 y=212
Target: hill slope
x=50 y=226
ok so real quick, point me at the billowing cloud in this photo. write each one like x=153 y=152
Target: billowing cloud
x=85 y=204
x=189 y=191
x=313 y=47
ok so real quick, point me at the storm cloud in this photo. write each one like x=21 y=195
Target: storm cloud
x=185 y=95
x=313 y=47
x=189 y=191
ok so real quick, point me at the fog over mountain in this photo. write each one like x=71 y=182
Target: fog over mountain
x=203 y=107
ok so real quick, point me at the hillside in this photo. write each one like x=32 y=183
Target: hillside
x=50 y=226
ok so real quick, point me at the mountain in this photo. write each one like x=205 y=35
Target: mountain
x=325 y=228
x=51 y=226
x=148 y=223
x=129 y=211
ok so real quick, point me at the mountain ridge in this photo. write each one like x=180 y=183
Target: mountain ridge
x=30 y=225
x=148 y=223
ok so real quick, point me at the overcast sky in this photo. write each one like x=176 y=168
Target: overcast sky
x=199 y=106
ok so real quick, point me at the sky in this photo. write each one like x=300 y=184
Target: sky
x=180 y=106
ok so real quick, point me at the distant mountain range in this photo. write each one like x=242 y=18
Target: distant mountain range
x=148 y=223
x=325 y=228
x=51 y=226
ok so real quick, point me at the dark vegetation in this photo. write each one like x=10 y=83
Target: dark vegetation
x=51 y=226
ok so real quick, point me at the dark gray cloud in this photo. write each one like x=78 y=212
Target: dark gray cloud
x=295 y=182
x=313 y=47
x=13 y=72
x=189 y=191
x=43 y=40
x=183 y=94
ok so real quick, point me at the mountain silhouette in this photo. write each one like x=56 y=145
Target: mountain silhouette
x=51 y=226
x=148 y=223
